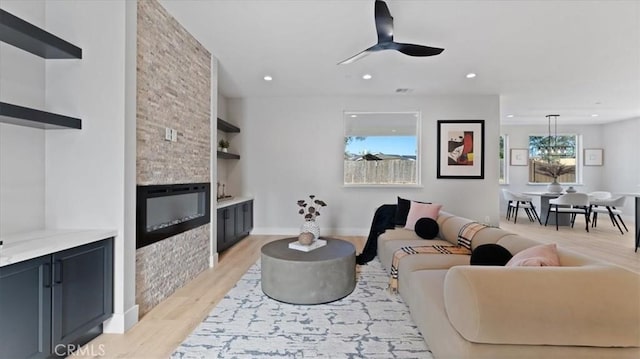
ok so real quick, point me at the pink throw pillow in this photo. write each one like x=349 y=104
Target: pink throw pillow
x=538 y=256
x=420 y=210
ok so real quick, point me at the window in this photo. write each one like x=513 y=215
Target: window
x=381 y=148
x=559 y=150
x=502 y=150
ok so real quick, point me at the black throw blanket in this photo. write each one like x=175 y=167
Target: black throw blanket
x=383 y=219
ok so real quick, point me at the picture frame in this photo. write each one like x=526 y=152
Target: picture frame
x=519 y=157
x=593 y=156
x=460 y=149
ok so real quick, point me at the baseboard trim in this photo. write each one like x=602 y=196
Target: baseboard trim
x=213 y=260
x=121 y=322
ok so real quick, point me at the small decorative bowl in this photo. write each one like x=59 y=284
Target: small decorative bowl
x=305 y=238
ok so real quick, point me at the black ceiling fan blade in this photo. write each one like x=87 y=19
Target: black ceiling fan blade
x=416 y=50
x=384 y=28
x=384 y=22
x=361 y=54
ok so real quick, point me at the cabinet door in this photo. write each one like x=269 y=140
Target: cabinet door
x=226 y=231
x=220 y=230
x=239 y=211
x=229 y=227
x=248 y=217
x=82 y=292
x=25 y=309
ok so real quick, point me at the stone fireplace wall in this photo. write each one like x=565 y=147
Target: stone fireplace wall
x=173 y=91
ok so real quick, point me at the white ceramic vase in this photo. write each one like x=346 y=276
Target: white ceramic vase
x=554 y=187
x=311 y=227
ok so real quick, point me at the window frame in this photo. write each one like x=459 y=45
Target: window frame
x=418 y=161
x=505 y=160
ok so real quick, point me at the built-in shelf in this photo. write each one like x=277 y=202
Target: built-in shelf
x=228 y=156
x=225 y=126
x=29 y=117
x=28 y=37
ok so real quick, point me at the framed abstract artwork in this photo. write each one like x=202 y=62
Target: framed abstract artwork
x=461 y=149
x=593 y=156
x=519 y=156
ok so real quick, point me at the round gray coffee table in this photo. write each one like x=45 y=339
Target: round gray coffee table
x=320 y=276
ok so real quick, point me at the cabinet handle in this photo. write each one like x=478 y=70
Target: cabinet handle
x=46 y=273
x=57 y=271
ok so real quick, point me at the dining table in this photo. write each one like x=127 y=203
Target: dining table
x=564 y=219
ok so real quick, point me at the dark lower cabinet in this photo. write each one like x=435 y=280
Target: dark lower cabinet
x=234 y=223
x=52 y=304
x=25 y=309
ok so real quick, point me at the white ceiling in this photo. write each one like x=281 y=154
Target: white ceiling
x=574 y=57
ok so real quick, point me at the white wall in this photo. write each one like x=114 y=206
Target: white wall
x=293 y=146
x=85 y=170
x=222 y=174
x=22 y=154
x=621 y=170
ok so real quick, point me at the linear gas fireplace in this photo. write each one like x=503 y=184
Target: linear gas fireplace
x=166 y=210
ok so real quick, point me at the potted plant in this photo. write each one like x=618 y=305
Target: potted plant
x=554 y=170
x=310 y=210
x=223 y=145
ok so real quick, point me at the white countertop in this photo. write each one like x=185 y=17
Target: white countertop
x=28 y=245
x=232 y=201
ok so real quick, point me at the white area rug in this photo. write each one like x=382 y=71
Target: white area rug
x=369 y=323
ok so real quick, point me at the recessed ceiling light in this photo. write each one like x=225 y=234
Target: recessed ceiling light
x=510 y=116
x=268 y=78
x=367 y=76
x=594 y=115
x=471 y=75
x=354 y=116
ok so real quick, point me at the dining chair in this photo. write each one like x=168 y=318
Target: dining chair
x=571 y=203
x=515 y=202
x=611 y=206
x=597 y=195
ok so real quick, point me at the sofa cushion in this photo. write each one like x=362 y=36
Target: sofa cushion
x=402 y=210
x=588 y=306
x=420 y=210
x=423 y=291
x=490 y=254
x=394 y=239
x=427 y=228
x=538 y=256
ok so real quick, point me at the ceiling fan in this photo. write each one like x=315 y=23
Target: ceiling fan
x=384 y=27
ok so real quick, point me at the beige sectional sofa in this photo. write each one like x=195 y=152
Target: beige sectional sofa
x=582 y=309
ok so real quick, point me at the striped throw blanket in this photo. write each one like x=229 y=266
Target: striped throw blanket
x=405 y=251
x=465 y=236
x=466 y=233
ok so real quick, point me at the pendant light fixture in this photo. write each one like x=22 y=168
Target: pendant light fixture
x=552 y=148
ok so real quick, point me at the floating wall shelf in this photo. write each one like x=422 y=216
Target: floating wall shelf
x=35 y=40
x=24 y=116
x=225 y=126
x=228 y=156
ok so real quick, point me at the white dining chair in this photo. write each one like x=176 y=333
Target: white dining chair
x=517 y=201
x=598 y=195
x=571 y=203
x=611 y=206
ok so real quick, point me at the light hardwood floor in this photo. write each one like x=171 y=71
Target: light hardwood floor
x=159 y=332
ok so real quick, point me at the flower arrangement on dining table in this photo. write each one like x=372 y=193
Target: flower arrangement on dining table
x=310 y=210
x=554 y=169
